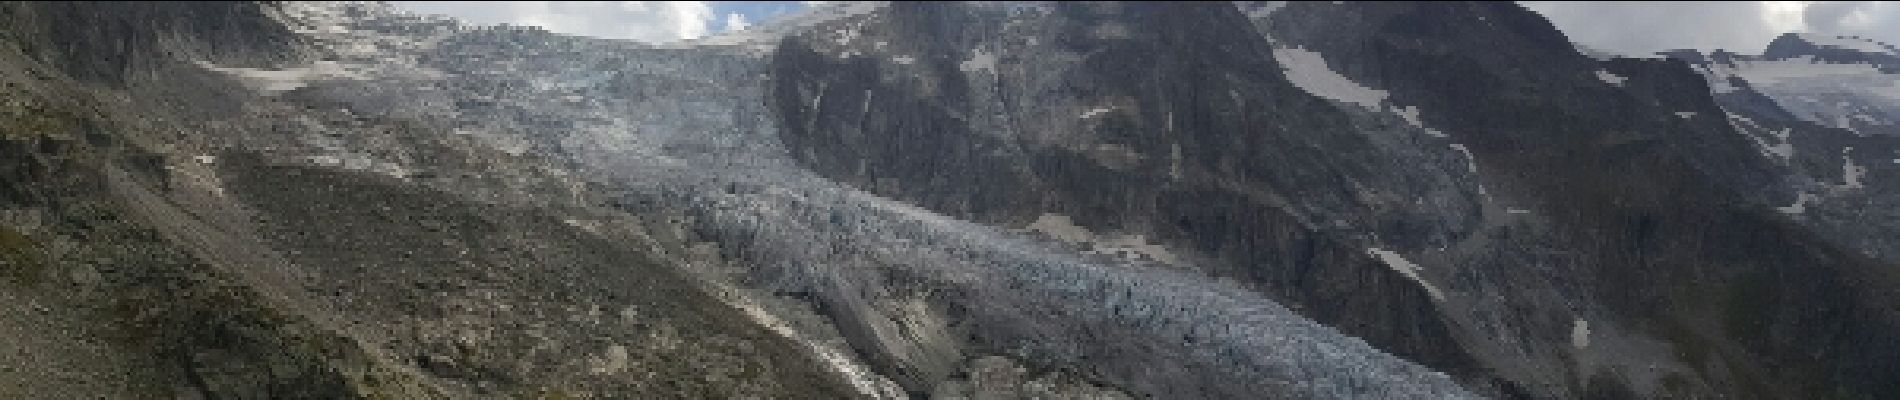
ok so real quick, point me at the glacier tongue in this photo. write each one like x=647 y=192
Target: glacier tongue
x=685 y=128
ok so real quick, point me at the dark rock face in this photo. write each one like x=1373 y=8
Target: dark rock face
x=1665 y=212
x=1654 y=213
x=101 y=304
x=111 y=42
x=1203 y=146
x=1844 y=174
x=1168 y=120
x=1515 y=64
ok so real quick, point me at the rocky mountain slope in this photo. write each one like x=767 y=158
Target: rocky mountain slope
x=956 y=200
x=172 y=232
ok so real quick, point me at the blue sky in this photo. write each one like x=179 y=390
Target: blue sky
x=754 y=11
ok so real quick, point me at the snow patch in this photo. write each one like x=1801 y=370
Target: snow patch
x=979 y=61
x=1409 y=113
x=1612 y=79
x=1407 y=268
x=1783 y=150
x=1800 y=204
x=1580 y=334
x=1265 y=9
x=1471 y=161
x=841 y=362
x=1722 y=86
x=1851 y=174
x=1308 y=71
x=1411 y=116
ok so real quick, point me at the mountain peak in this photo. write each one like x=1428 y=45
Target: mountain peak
x=1832 y=49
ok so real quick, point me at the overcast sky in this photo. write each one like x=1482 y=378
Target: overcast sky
x=1629 y=28
x=1741 y=26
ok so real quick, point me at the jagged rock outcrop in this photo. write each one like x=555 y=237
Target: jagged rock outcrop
x=1580 y=212
x=1666 y=212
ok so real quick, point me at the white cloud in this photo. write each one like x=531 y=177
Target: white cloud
x=1648 y=27
x=1783 y=16
x=1873 y=19
x=1741 y=26
x=648 y=21
x=736 y=22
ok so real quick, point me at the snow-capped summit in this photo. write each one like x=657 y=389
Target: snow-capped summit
x=1833 y=49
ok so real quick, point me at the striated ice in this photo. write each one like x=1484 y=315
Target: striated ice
x=686 y=128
